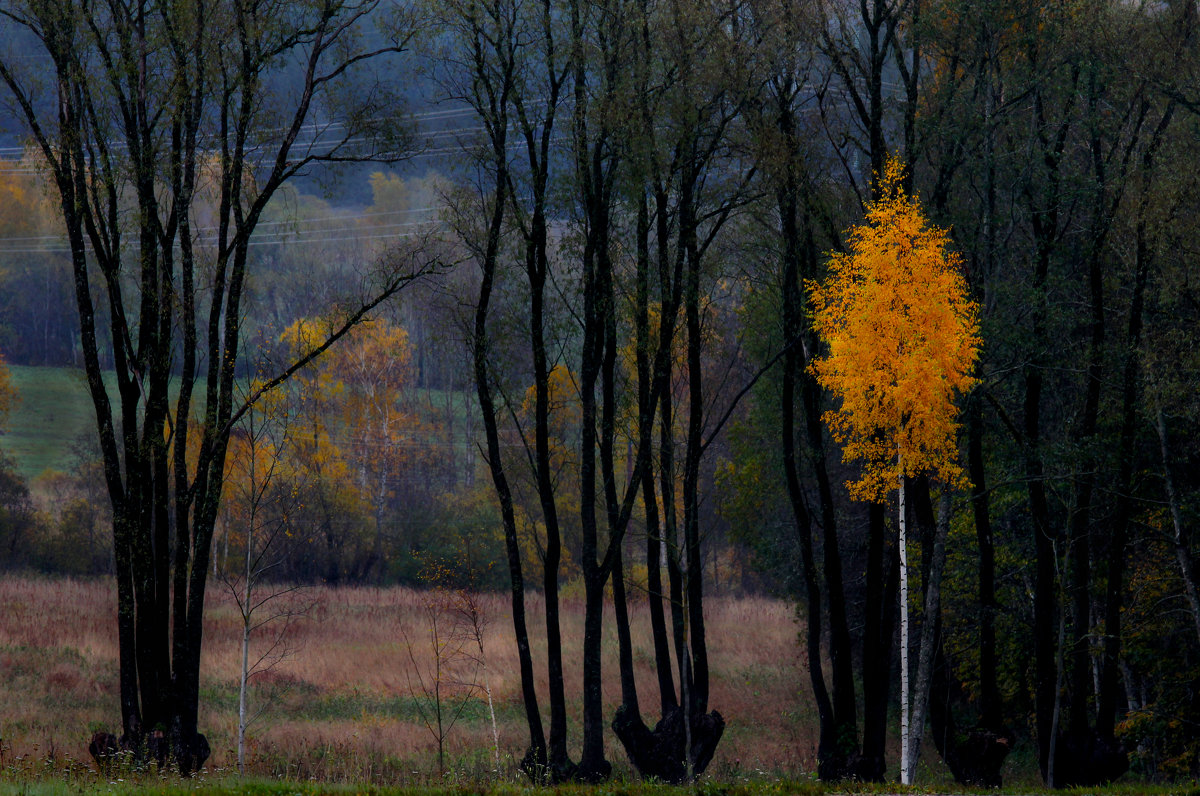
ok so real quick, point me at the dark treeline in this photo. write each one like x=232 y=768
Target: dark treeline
x=656 y=185
x=614 y=355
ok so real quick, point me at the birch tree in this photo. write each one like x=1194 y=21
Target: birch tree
x=259 y=501
x=903 y=337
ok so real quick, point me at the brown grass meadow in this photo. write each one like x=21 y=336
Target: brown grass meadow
x=342 y=706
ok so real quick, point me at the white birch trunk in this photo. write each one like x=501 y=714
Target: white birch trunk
x=246 y=617
x=905 y=730
x=487 y=689
x=933 y=593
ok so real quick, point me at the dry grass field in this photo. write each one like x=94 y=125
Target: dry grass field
x=343 y=706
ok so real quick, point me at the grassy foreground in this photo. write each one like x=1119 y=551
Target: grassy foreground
x=342 y=710
x=344 y=705
x=70 y=785
x=251 y=787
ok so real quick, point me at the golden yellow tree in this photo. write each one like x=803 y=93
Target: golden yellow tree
x=381 y=424
x=903 y=337
x=364 y=427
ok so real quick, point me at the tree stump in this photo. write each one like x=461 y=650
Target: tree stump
x=103 y=748
x=1087 y=759
x=976 y=758
x=659 y=753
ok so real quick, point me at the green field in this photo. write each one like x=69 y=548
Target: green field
x=53 y=415
x=54 y=418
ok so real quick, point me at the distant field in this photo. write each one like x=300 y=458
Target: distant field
x=54 y=412
x=54 y=416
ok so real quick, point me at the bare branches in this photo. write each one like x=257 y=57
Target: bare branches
x=444 y=689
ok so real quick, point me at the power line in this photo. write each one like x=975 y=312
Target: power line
x=278 y=236
x=276 y=242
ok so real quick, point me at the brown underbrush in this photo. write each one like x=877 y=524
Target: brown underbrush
x=343 y=705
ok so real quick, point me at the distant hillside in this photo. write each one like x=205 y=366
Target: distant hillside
x=52 y=415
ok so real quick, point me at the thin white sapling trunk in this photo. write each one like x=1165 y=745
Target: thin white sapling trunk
x=905 y=729
x=246 y=627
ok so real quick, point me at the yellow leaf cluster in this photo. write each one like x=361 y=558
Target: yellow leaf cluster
x=903 y=337
x=14 y=201
x=357 y=430
x=565 y=413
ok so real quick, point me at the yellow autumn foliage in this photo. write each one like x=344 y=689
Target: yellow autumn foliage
x=903 y=337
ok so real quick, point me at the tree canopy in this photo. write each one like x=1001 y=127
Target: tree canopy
x=903 y=338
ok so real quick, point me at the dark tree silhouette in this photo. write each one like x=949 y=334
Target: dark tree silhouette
x=154 y=107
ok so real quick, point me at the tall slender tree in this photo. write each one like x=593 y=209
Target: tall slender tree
x=154 y=104
x=903 y=339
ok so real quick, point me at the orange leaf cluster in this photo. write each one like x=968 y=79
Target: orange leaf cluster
x=903 y=337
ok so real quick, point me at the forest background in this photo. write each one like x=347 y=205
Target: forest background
x=623 y=204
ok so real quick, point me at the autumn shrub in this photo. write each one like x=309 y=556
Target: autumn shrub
x=19 y=523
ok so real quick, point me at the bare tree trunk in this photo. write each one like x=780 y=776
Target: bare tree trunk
x=830 y=762
x=1183 y=550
